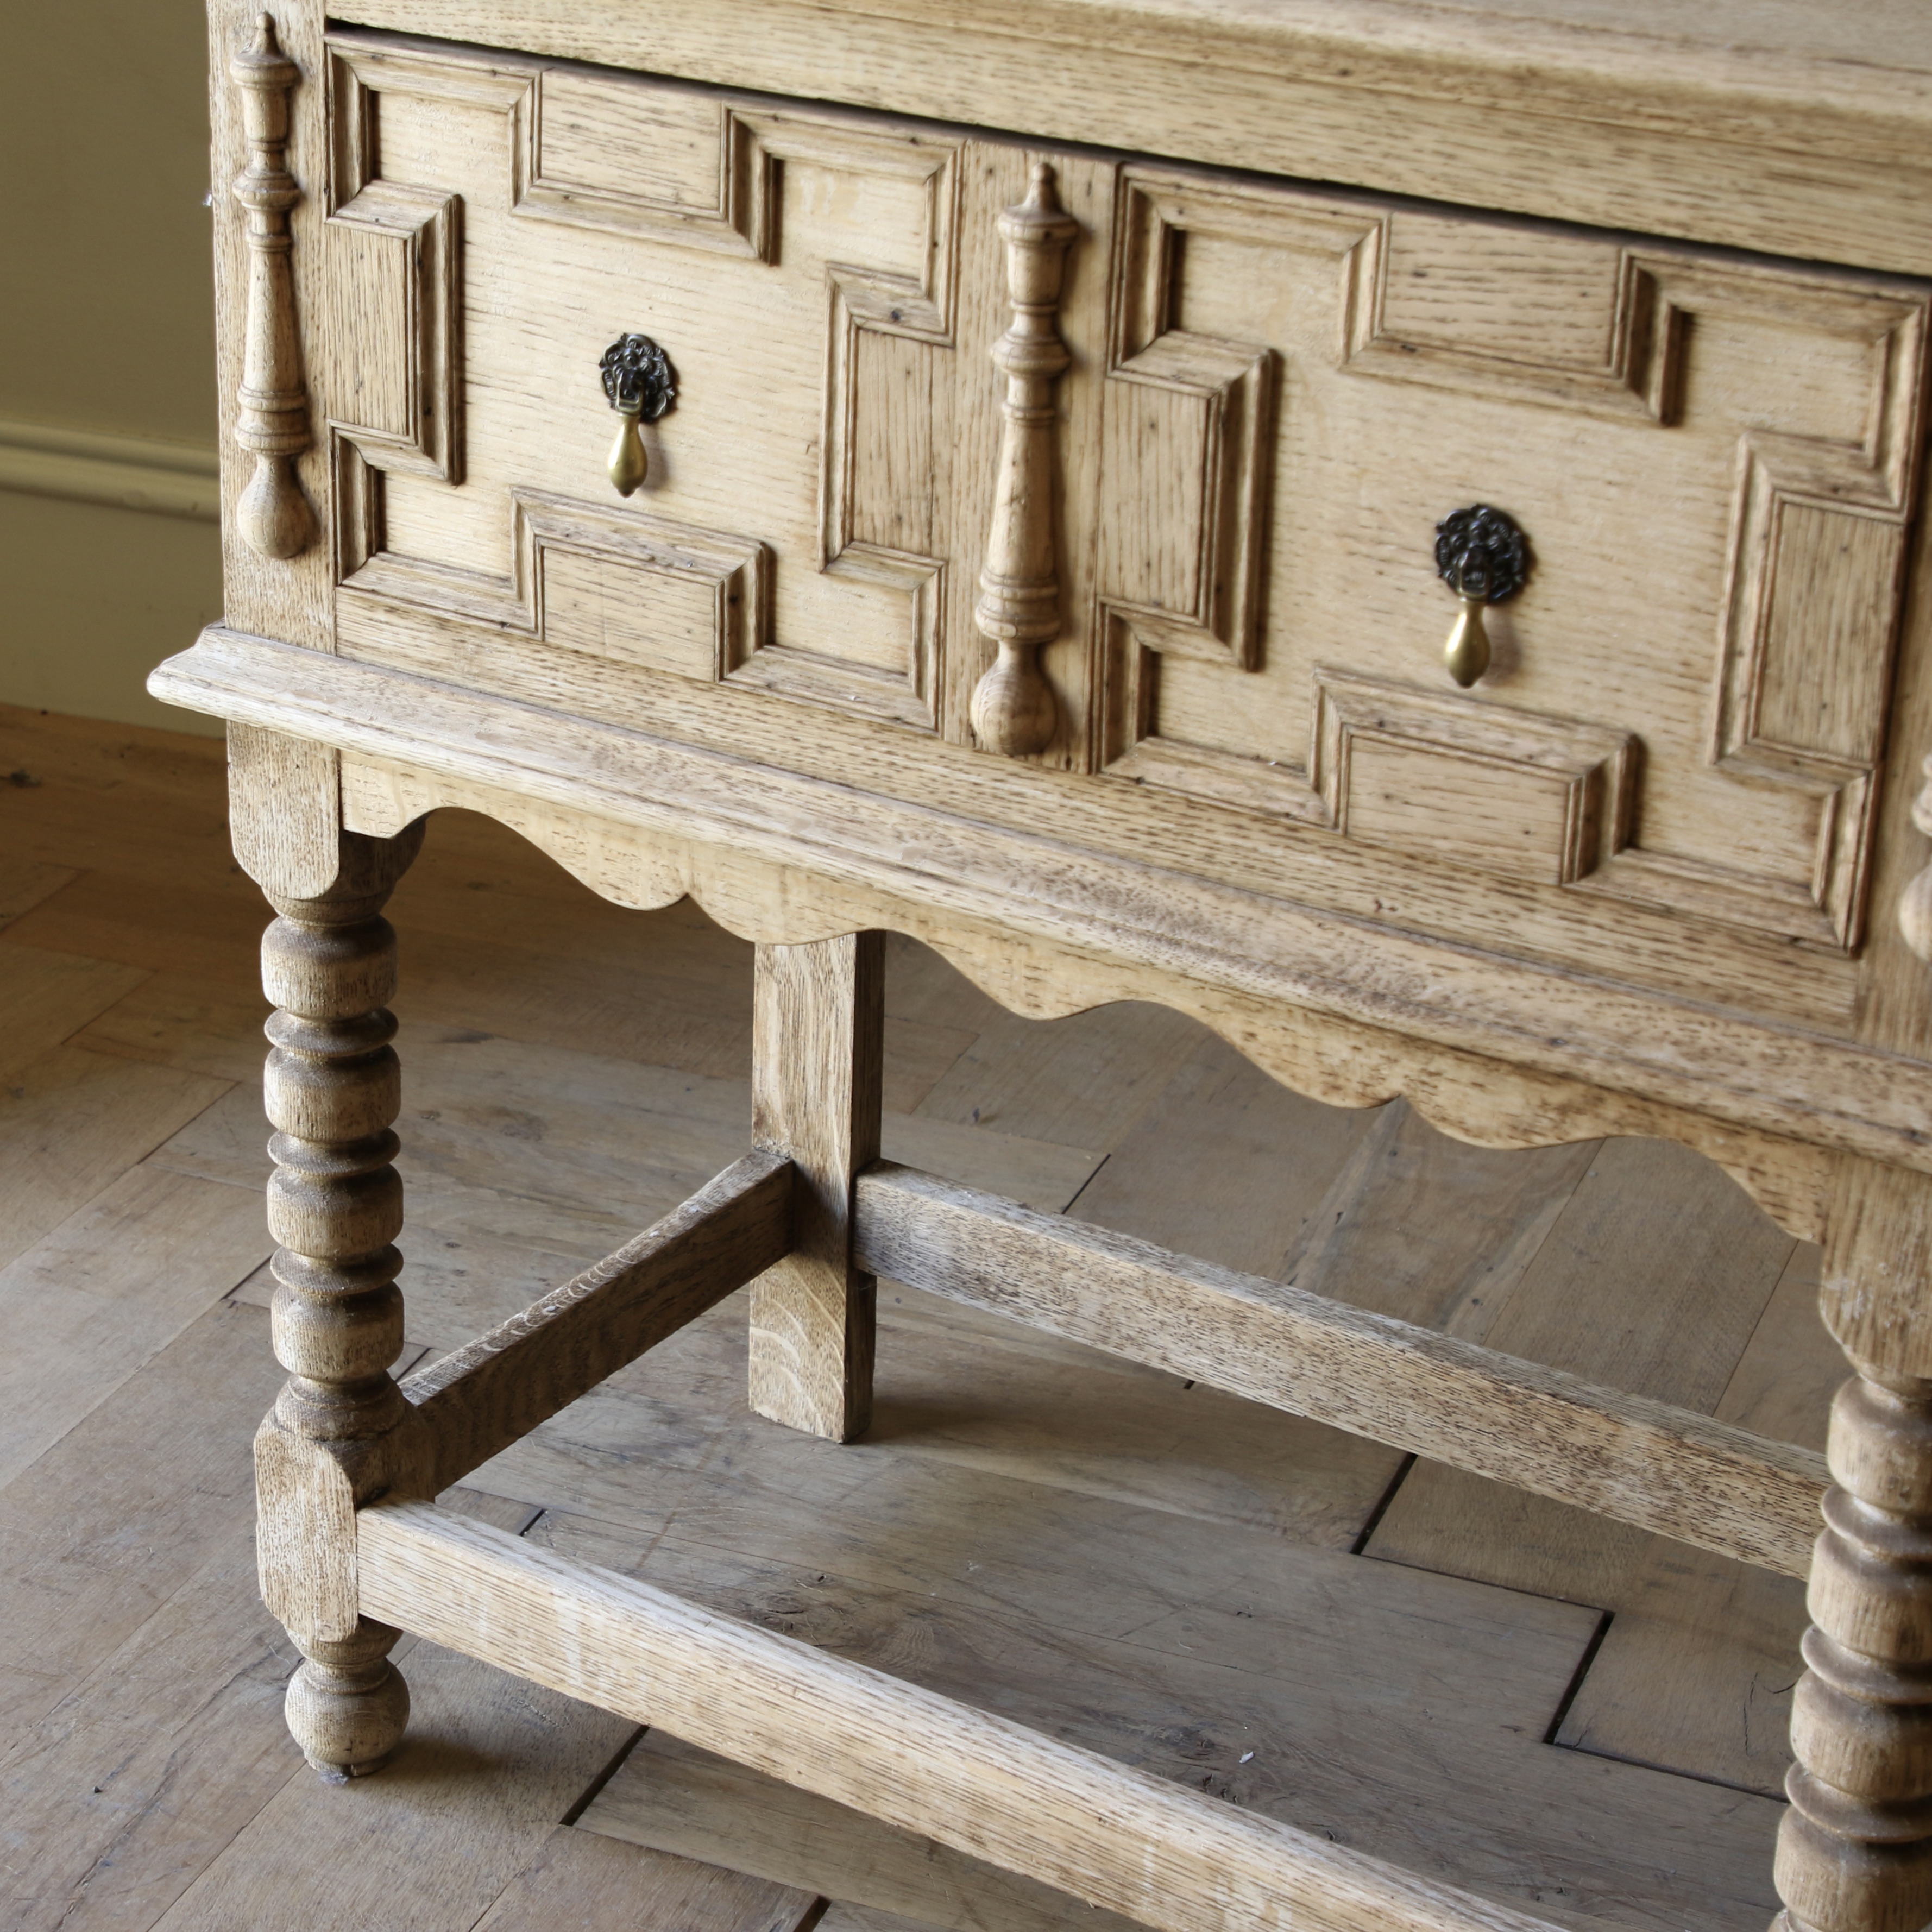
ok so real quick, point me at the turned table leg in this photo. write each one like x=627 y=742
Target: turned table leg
x=335 y=1206
x=1855 y=1850
x=818 y=1059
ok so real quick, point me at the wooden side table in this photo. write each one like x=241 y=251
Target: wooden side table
x=1043 y=543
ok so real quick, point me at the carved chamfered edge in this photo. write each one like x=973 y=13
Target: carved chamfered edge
x=1915 y=903
x=273 y=515
x=1019 y=591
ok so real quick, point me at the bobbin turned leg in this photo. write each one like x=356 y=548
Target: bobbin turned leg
x=339 y=1433
x=1855 y=1850
x=818 y=1058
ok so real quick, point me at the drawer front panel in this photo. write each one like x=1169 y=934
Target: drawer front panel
x=1714 y=463
x=1272 y=397
x=790 y=265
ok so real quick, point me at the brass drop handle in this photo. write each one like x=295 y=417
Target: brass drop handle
x=1484 y=557
x=640 y=384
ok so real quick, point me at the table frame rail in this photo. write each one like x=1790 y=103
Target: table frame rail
x=1116 y=1837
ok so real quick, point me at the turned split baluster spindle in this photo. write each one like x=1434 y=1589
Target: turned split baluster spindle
x=1018 y=609
x=335 y=1206
x=273 y=515
x=1855 y=1849
x=1915 y=903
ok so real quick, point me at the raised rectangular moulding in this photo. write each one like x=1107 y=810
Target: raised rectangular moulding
x=1540 y=799
x=603 y=151
x=1187 y=425
x=1544 y=799
x=671 y=597
x=640 y=588
x=395 y=284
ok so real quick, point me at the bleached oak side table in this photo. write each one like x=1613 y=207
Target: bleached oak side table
x=1388 y=527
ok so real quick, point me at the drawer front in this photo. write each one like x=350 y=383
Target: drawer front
x=1220 y=514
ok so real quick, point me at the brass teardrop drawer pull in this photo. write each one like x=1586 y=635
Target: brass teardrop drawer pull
x=640 y=384
x=1484 y=557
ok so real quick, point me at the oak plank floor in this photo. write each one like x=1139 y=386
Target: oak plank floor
x=1489 y=1688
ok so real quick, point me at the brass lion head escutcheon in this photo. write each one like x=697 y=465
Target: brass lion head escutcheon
x=1483 y=556
x=641 y=385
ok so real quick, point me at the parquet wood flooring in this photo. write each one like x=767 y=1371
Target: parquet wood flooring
x=1482 y=1686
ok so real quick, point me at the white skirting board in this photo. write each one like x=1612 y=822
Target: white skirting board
x=129 y=472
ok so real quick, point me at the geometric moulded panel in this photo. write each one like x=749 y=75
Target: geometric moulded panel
x=1495 y=310
x=638 y=588
x=597 y=151
x=394 y=282
x=637 y=157
x=1186 y=434
x=797 y=204
x=1487 y=786
x=1187 y=431
x=1810 y=606
x=1780 y=410
x=1540 y=799
x=393 y=379
x=890 y=368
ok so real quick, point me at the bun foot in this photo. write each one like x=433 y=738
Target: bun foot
x=348 y=1706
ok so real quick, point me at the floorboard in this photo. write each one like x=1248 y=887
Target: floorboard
x=72 y=1122
x=24 y=883
x=489 y=1768
x=581 y=1882
x=47 y=996
x=675 y=1798
x=110 y=1521
x=1697 y=1666
x=91 y=1303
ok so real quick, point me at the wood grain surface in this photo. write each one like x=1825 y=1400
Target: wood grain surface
x=478 y=1399
x=1620 y=1456
x=1481 y=107
x=818 y=1055
x=1116 y=1837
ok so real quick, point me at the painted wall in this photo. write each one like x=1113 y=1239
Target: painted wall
x=106 y=355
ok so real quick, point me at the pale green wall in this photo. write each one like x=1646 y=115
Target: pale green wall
x=106 y=323
x=95 y=597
